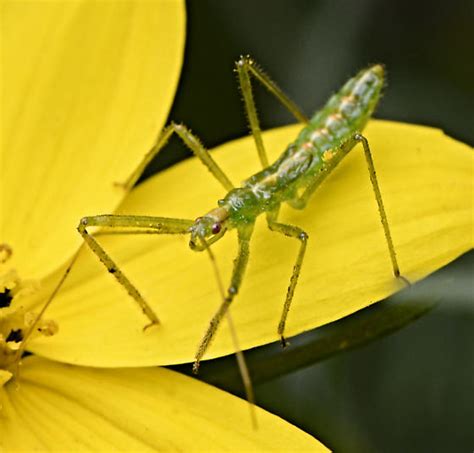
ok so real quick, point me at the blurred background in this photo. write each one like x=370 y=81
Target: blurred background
x=412 y=390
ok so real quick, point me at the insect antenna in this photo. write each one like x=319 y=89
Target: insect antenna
x=241 y=362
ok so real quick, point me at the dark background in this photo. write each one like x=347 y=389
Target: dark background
x=412 y=390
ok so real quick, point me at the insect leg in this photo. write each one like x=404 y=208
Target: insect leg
x=33 y=325
x=192 y=142
x=240 y=264
x=301 y=202
x=139 y=224
x=297 y=233
x=241 y=362
x=245 y=67
x=358 y=138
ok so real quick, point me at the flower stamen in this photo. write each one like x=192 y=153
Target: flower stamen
x=15 y=320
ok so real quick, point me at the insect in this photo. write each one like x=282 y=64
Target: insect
x=322 y=143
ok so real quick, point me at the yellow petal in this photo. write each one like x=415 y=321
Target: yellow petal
x=61 y=408
x=426 y=182
x=87 y=86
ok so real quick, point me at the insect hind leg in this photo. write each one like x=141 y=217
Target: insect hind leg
x=246 y=67
x=359 y=138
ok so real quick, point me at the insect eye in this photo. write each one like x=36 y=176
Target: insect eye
x=216 y=228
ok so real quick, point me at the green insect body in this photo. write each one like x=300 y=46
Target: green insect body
x=292 y=178
x=317 y=150
x=326 y=138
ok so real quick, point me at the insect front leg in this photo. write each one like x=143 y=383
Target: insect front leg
x=246 y=67
x=240 y=264
x=192 y=142
x=297 y=233
x=359 y=138
x=138 y=224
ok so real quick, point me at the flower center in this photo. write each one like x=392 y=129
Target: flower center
x=16 y=320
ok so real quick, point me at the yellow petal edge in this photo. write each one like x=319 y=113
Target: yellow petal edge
x=426 y=179
x=62 y=408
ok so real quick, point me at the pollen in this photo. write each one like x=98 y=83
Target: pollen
x=328 y=155
x=16 y=321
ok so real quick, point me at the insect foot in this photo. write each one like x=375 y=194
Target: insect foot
x=284 y=342
x=154 y=322
x=244 y=60
x=121 y=185
x=399 y=276
x=404 y=280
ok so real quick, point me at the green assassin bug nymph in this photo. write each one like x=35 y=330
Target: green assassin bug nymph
x=322 y=143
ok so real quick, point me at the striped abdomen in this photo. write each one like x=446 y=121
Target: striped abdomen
x=318 y=147
x=347 y=111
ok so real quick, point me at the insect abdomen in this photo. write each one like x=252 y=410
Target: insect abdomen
x=346 y=112
x=318 y=146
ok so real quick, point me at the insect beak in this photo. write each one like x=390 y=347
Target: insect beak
x=198 y=243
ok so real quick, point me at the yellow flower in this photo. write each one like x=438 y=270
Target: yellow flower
x=88 y=86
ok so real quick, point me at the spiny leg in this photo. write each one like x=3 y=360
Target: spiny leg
x=301 y=202
x=154 y=225
x=192 y=142
x=359 y=138
x=297 y=233
x=245 y=67
x=241 y=362
x=240 y=264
